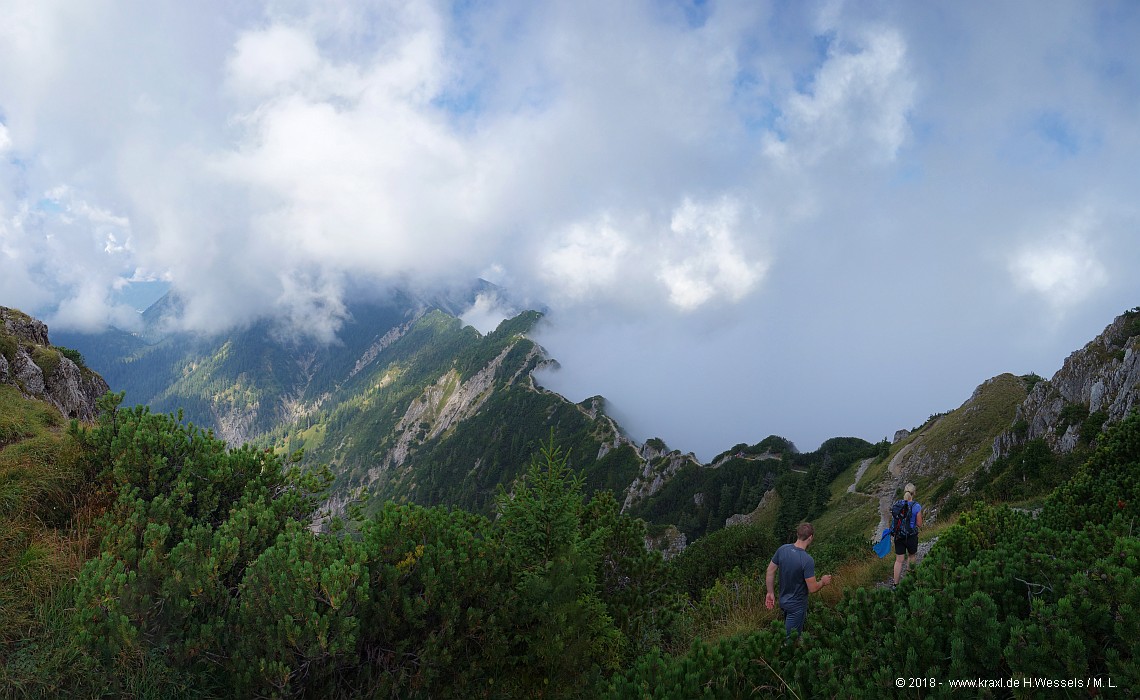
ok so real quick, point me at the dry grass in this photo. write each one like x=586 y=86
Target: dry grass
x=735 y=604
x=732 y=606
x=48 y=511
x=863 y=573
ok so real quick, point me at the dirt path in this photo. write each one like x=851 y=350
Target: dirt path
x=924 y=549
x=886 y=494
x=887 y=490
x=859 y=474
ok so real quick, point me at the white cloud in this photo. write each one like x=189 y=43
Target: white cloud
x=701 y=260
x=797 y=171
x=684 y=259
x=18 y=286
x=65 y=254
x=312 y=305
x=857 y=103
x=267 y=61
x=1063 y=267
x=349 y=164
x=587 y=260
x=488 y=311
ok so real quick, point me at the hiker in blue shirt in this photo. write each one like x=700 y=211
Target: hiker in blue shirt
x=906 y=538
x=797 y=579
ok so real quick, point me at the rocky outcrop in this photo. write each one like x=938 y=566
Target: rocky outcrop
x=670 y=543
x=1102 y=379
x=235 y=424
x=29 y=362
x=24 y=328
x=659 y=465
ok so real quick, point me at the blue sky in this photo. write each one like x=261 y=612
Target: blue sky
x=746 y=218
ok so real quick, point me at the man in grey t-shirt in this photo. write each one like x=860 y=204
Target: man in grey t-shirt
x=797 y=578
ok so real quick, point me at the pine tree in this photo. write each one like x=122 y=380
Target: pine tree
x=564 y=638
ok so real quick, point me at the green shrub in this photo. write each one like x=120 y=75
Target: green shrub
x=1031 y=380
x=297 y=624
x=189 y=518
x=700 y=564
x=1071 y=414
x=211 y=582
x=1091 y=427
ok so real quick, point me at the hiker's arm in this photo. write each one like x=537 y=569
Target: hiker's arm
x=918 y=518
x=814 y=584
x=770 y=581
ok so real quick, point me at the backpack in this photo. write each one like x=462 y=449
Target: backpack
x=900 y=519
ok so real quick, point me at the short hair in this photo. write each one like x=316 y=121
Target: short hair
x=804 y=531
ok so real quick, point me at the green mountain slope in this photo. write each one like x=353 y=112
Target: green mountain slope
x=409 y=403
x=444 y=416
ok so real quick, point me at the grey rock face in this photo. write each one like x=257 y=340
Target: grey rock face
x=27 y=374
x=74 y=390
x=1103 y=376
x=68 y=387
x=23 y=327
x=659 y=465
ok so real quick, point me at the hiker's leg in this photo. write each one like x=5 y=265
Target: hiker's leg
x=911 y=551
x=900 y=553
x=794 y=622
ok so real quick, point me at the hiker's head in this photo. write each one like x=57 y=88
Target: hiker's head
x=805 y=532
x=908 y=492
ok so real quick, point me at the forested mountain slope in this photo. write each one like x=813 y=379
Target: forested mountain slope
x=208 y=582
x=409 y=403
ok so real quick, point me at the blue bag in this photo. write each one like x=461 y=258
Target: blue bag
x=883 y=547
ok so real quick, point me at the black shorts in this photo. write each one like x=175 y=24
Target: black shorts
x=907 y=545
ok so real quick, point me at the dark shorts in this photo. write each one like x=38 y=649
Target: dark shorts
x=907 y=545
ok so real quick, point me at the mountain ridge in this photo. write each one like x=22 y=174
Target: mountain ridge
x=395 y=409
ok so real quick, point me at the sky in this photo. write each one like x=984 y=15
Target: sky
x=808 y=219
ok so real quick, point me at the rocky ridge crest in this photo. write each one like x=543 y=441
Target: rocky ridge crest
x=659 y=464
x=1103 y=377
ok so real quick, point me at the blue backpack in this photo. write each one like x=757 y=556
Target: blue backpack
x=900 y=519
